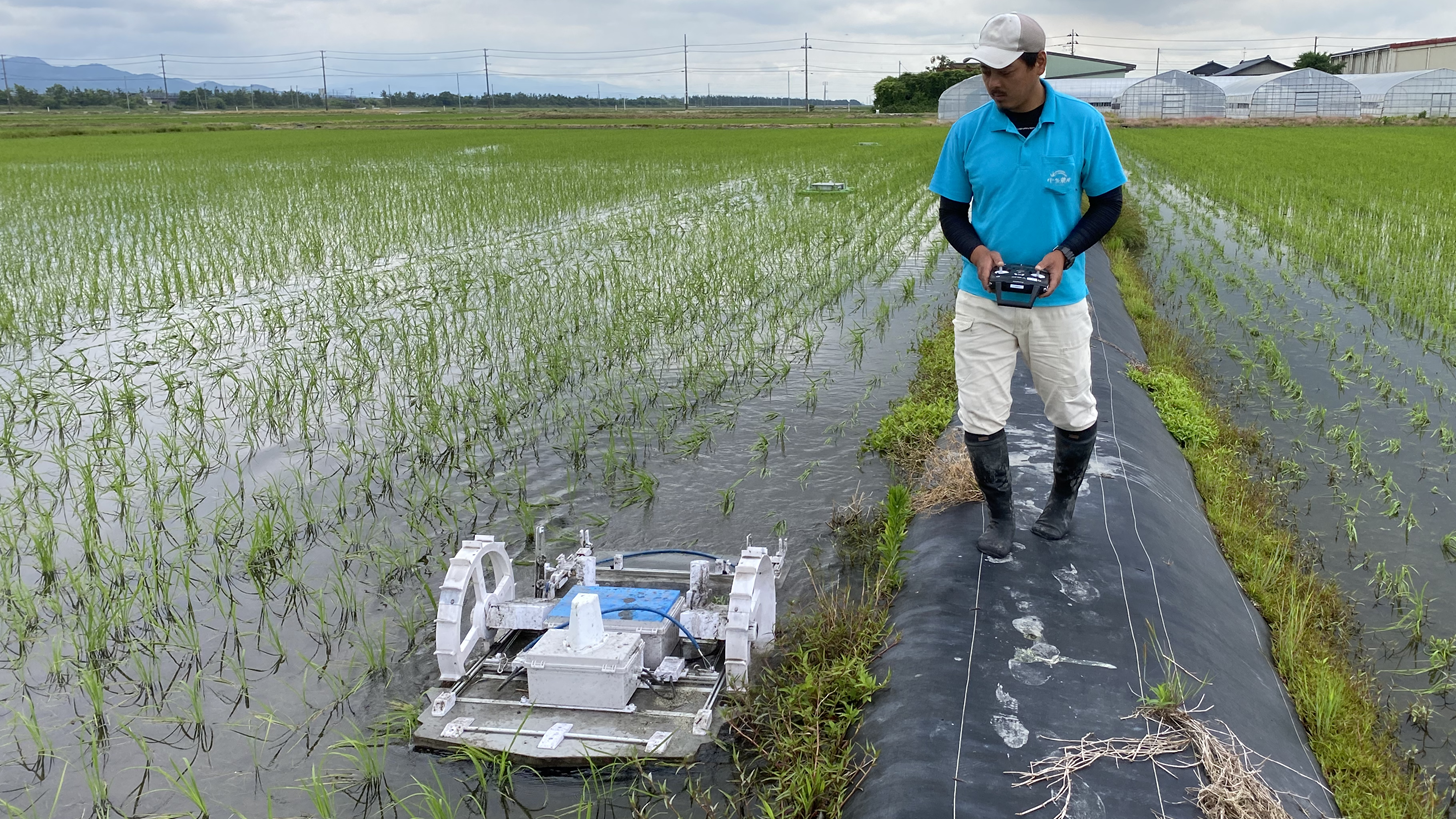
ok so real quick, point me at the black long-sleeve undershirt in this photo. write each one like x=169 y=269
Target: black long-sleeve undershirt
x=1101 y=215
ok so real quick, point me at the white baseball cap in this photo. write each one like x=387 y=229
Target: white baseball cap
x=1006 y=37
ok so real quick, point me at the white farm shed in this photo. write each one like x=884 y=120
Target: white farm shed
x=1306 y=92
x=1407 y=93
x=1171 y=95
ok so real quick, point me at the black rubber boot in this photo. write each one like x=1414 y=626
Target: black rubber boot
x=992 y=465
x=1074 y=450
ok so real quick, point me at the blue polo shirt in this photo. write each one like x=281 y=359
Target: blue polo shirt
x=1026 y=192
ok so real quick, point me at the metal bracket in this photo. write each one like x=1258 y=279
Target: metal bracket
x=702 y=721
x=455 y=728
x=442 y=703
x=658 y=741
x=554 y=735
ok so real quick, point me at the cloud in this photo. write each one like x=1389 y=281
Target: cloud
x=919 y=30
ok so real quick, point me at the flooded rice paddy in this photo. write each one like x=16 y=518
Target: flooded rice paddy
x=1357 y=407
x=257 y=386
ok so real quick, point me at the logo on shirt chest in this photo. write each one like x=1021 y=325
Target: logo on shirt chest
x=1059 y=178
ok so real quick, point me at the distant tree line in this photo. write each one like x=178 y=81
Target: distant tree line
x=59 y=96
x=917 y=92
x=205 y=99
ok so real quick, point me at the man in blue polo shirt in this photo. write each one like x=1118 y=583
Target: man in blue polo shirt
x=1023 y=161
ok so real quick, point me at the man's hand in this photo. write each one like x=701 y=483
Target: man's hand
x=1052 y=264
x=985 y=259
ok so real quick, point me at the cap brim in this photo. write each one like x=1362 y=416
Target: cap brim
x=994 y=57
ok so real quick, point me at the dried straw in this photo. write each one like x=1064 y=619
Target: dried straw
x=1233 y=790
x=946 y=480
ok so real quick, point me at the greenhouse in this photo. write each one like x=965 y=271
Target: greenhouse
x=1099 y=92
x=1303 y=93
x=1406 y=93
x=1171 y=95
x=962 y=98
x=969 y=94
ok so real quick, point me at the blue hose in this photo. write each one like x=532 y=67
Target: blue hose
x=680 y=627
x=667 y=552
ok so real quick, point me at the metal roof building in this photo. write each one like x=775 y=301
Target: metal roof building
x=1406 y=93
x=1067 y=66
x=1171 y=95
x=1305 y=92
x=1417 y=55
x=1255 y=67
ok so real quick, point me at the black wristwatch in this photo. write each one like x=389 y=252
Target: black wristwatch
x=1067 y=254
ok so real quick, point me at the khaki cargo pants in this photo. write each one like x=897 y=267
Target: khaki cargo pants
x=1056 y=343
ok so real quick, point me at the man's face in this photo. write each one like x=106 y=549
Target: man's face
x=1015 y=85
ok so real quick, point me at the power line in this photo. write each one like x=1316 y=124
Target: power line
x=1237 y=40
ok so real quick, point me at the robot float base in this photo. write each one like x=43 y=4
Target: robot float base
x=603 y=662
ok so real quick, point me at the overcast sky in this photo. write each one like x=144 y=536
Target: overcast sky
x=885 y=35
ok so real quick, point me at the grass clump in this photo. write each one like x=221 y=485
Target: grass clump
x=1178 y=403
x=1351 y=735
x=799 y=717
x=907 y=435
x=910 y=430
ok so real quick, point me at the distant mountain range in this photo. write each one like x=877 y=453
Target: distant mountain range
x=38 y=75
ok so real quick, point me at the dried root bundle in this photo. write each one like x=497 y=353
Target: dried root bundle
x=1230 y=787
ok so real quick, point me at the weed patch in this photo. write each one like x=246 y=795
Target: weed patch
x=1178 y=404
x=906 y=437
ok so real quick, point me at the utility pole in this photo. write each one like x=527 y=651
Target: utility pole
x=1316 y=43
x=325 y=71
x=826 y=91
x=1074 y=42
x=125 y=89
x=457 y=94
x=806 y=48
x=485 y=52
x=685 y=72
x=166 y=94
x=9 y=101
x=789 y=89
x=1158 y=62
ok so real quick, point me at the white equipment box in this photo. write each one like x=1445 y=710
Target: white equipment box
x=584 y=666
